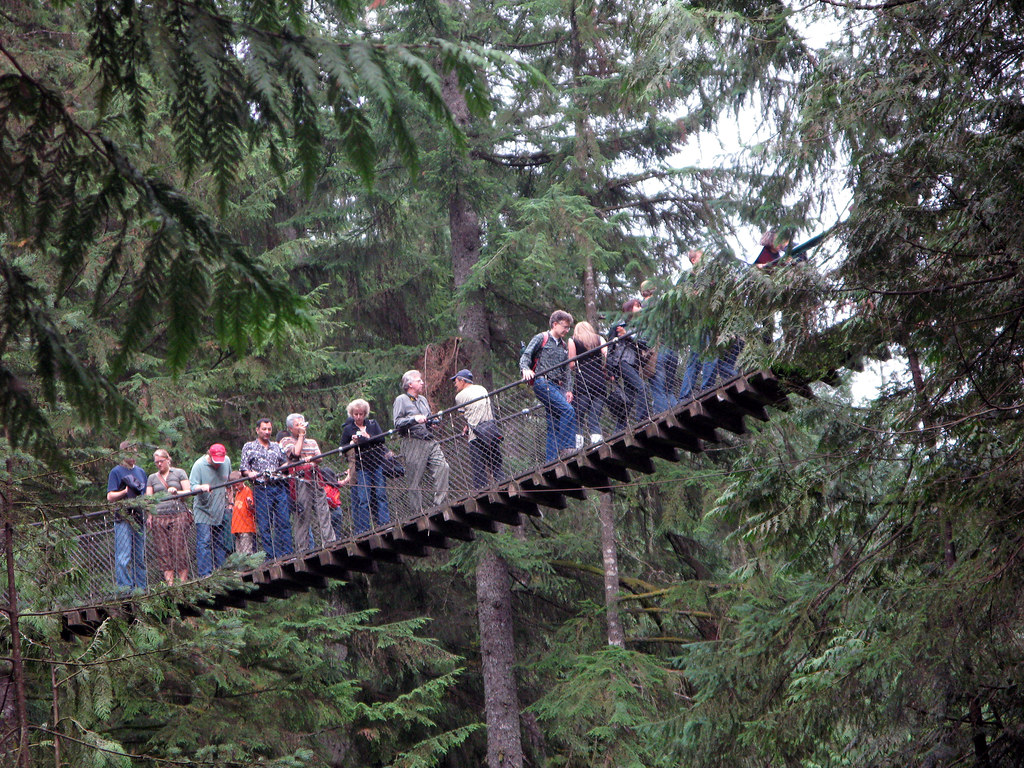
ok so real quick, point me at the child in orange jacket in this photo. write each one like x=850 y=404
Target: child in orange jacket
x=243 y=520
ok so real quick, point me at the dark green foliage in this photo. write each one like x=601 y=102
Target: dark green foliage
x=840 y=587
x=78 y=194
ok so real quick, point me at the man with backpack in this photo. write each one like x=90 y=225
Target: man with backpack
x=548 y=354
x=481 y=429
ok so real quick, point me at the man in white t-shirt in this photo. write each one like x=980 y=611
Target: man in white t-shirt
x=481 y=429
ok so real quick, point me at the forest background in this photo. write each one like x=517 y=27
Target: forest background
x=216 y=210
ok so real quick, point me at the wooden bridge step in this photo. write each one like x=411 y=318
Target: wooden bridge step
x=592 y=463
x=615 y=449
x=528 y=491
x=453 y=524
x=410 y=544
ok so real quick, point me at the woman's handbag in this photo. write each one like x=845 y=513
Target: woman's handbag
x=488 y=430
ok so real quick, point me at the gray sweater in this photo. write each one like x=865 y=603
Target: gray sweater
x=403 y=416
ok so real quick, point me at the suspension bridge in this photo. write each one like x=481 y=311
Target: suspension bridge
x=75 y=556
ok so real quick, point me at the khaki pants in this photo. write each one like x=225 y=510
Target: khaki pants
x=310 y=507
x=420 y=456
x=245 y=543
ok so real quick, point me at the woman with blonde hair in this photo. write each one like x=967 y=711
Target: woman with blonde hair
x=589 y=382
x=170 y=519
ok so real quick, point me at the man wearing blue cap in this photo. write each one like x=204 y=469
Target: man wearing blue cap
x=481 y=429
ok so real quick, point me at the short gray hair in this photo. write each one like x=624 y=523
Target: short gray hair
x=407 y=378
x=358 y=405
x=292 y=418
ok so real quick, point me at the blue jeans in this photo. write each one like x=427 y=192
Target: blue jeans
x=692 y=377
x=635 y=392
x=561 y=417
x=369 y=492
x=723 y=368
x=697 y=376
x=272 y=521
x=588 y=402
x=486 y=460
x=129 y=555
x=212 y=545
x=663 y=383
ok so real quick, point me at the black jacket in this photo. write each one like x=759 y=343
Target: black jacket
x=626 y=351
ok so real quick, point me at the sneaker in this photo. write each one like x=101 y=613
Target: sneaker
x=596 y=438
x=579 y=441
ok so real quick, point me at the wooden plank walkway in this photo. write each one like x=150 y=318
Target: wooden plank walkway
x=686 y=427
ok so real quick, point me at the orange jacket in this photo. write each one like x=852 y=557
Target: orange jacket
x=242 y=519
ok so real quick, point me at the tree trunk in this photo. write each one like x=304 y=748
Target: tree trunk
x=493 y=585
x=584 y=139
x=610 y=558
x=464 y=225
x=501 y=699
x=464 y=228
x=15 y=729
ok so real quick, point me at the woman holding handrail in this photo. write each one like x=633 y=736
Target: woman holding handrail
x=590 y=381
x=170 y=519
x=365 y=467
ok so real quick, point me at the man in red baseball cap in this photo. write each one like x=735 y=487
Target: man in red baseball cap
x=213 y=519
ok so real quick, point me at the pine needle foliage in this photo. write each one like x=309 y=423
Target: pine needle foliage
x=78 y=189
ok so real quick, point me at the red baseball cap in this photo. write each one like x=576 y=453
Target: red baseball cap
x=218 y=453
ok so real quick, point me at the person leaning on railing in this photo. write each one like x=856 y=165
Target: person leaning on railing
x=481 y=430
x=663 y=382
x=170 y=519
x=310 y=513
x=410 y=414
x=261 y=459
x=590 y=379
x=773 y=243
x=553 y=387
x=624 y=361
x=128 y=481
x=365 y=467
x=209 y=510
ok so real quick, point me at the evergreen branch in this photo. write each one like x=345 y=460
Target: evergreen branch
x=133 y=756
x=630 y=582
x=535 y=159
x=887 y=5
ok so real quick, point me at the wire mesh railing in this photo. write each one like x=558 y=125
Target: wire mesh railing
x=354 y=490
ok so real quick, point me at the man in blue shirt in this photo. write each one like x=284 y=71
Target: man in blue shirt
x=128 y=481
